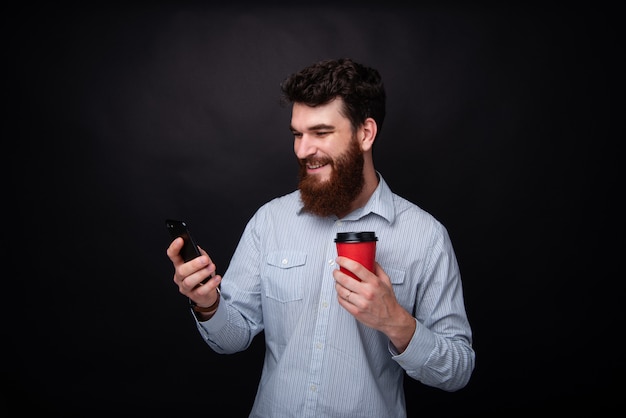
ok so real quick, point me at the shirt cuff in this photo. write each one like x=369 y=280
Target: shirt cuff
x=418 y=351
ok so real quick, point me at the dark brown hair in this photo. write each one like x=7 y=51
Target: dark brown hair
x=360 y=87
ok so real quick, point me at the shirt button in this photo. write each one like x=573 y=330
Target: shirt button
x=313 y=388
x=324 y=304
x=338 y=223
x=318 y=346
x=331 y=262
x=285 y=261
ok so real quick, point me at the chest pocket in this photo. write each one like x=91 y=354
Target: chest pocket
x=283 y=275
x=404 y=293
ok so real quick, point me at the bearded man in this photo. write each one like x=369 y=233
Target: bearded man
x=335 y=346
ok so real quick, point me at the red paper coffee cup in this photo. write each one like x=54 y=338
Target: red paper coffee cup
x=358 y=246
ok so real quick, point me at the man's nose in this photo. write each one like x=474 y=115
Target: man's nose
x=304 y=146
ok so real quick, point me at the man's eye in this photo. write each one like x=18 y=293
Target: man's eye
x=296 y=134
x=322 y=133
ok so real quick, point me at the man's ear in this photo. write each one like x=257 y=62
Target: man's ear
x=367 y=134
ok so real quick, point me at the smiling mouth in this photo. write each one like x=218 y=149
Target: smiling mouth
x=315 y=166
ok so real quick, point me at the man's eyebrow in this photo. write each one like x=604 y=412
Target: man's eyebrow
x=321 y=127
x=318 y=127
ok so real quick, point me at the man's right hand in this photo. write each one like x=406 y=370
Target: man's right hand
x=189 y=276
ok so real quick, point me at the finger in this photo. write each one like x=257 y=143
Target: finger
x=194 y=271
x=208 y=287
x=211 y=264
x=202 y=251
x=345 y=292
x=202 y=270
x=173 y=251
x=358 y=269
x=381 y=274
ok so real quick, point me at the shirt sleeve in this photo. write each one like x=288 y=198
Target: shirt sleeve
x=440 y=353
x=238 y=318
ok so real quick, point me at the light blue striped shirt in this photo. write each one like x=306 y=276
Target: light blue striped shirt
x=319 y=360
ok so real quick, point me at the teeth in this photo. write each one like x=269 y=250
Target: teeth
x=314 y=166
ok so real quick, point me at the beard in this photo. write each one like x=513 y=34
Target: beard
x=335 y=195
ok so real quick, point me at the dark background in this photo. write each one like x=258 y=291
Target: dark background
x=502 y=122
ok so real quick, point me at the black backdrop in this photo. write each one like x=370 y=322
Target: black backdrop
x=500 y=123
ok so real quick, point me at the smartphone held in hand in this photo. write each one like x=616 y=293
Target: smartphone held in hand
x=177 y=229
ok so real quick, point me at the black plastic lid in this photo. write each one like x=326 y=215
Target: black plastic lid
x=356 y=236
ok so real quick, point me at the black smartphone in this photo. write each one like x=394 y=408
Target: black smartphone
x=177 y=229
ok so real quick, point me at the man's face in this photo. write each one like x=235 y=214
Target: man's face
x=330 y=158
